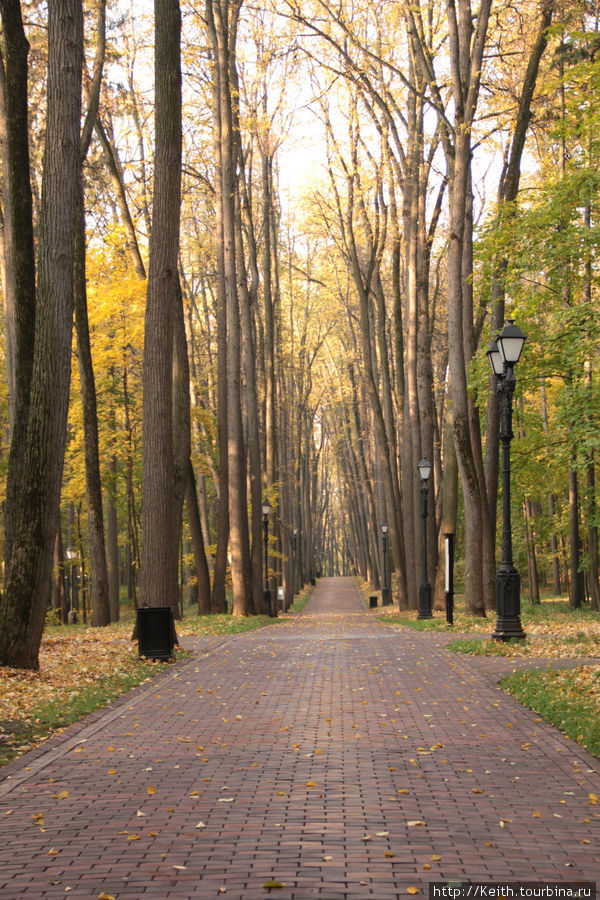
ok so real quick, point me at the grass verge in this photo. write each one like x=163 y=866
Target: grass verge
x=489 y=648
x=567 y=698
x=34 y=706
x=84 y=668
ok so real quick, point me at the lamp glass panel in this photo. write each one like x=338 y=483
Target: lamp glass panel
x=424 y=469
x=495 y=359
x=510 y=343
x=511 y=349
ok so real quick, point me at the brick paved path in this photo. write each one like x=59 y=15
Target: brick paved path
x=329 y=753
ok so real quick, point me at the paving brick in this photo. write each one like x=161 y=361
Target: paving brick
x=304 y=752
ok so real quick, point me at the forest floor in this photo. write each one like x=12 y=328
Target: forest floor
x=333 y=755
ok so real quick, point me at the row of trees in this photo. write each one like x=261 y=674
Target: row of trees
x=240 y=336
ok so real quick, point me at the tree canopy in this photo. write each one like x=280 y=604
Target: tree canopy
x=286 y=235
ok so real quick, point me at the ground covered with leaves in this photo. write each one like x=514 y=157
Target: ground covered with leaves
x=567 y=698
x=81 y=670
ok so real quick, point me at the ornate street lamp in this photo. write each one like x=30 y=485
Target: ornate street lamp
x=266 y=509
x=424 y=468
x=385 y=591
x=503 y=356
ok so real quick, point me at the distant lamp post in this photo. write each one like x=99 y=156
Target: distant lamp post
x=295 y=560
x=71 y=555
x=385 y=591
x=266 y=510
x=503 y=356
x=424 y=468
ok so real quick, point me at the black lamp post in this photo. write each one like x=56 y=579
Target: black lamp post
x=295 y=561
x=503 y=356
x=72 y=604
x=424 y=468
x=385 y=591
x=266 y=509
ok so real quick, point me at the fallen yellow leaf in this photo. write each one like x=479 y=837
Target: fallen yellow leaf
x=151 y=790
x=412 y=890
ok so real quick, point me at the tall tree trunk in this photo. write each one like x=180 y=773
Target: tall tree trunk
x=218 y=599
x=20 y=299
x=508 y=190
x=458 y=383
x=99 y=598
x=271 y=448
x=28 y=575
x=576 y=595
x=112 y=543
x=590 y=470
x=223 y=25
x=59 y=601
x=133 y=558
x=248 y=284
x=182 y=437
x=534 y=588
x=159 y=572
x=200 y=561
x=466 y=51
x=251 y=409
x=98 y=571
x=551 y=501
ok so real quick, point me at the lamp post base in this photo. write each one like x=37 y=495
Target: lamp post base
x=508 y=605
x=385 y=596
x=267 y=603
x=425 y=601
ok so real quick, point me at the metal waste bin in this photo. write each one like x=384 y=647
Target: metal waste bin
x=156 y=632
x=373 y=602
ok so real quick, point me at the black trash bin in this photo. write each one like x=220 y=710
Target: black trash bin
x=373 y=602
x=156 y=632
